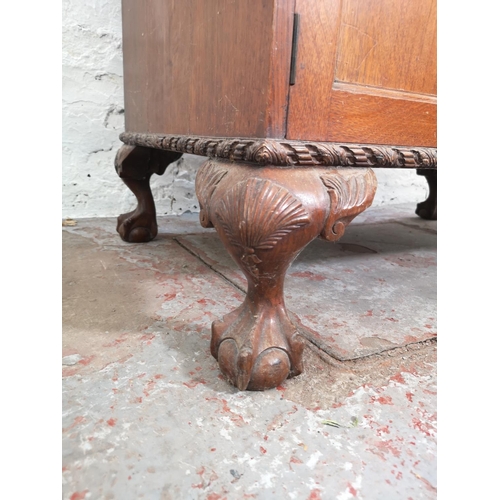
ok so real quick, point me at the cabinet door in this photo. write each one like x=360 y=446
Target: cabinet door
x=365 y=72
x=207 y=67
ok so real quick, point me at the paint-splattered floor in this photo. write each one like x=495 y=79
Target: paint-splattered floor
x=147 y=414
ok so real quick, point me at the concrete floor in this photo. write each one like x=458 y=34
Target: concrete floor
x=146 y=413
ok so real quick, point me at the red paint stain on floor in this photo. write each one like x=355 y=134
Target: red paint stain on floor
x=204 y=482
x=116 y=342
x=383 y=430
x=308 y=275
x=193 y=383
x=200 y=473
x=111 y=422
x=149 y=387
x=422 y=426
x=295 y=460
x=410 y=338
x=69 y=372
x=352 y=490
x=79 y=495
x=398 y=378
x=263 y=450
x=205 y=302
x=86 y=361
x=235 y=417
x=383 y=400
x=388 y=447
x=76 y=421
x=398 y=475
x=314 y=495
x=215 y=496
x=409 y=397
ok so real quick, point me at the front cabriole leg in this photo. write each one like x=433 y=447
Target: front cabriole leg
x=135 y=165
x=265 y=216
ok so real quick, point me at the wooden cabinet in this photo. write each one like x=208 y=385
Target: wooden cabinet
x=293 y=102
x=365 y=70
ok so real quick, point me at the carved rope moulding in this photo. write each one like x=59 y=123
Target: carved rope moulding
x=290 y=153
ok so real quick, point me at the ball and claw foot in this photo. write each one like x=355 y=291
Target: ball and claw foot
x=138 y=226
x=135 y=165
x=257 y=349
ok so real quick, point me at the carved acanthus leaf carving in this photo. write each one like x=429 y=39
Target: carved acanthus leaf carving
x=349 y=196
x=207 y=179
x=282 y=153
x=274 y=213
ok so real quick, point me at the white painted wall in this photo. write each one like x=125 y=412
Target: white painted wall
x=93 y=118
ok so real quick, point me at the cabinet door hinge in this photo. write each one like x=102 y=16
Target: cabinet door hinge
x=295 y=38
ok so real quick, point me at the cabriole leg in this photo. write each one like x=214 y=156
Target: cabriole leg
x=428 y=209
x=265 y=216
x=135 y=165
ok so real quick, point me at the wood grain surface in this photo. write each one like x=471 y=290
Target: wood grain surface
x=388 y=44
x=207 y=67
x=378 y=47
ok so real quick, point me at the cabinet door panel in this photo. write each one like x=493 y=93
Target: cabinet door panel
x=383 y=44
x=207 y=67
x=366 y=72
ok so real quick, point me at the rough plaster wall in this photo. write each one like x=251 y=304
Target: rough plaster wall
x=93 y=117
